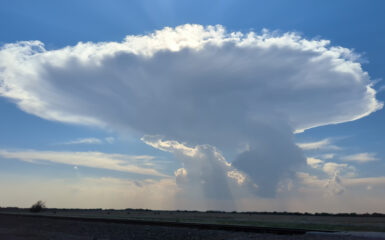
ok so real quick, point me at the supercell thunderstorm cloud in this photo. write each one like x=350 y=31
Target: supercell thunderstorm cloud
x=199 y=93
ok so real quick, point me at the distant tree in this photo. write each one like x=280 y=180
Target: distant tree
x=37 y=207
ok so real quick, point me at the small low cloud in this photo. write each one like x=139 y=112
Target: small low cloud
x=332 y=168
x=328 y=187
x=237 y=175
x=334 y=185
x=314 y=162
x=360 y=157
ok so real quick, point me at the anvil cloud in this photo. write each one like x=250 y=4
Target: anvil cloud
x=200 y=85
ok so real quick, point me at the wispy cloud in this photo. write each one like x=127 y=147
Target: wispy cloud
x=360 y=157
x=116 y=162
x=88 y=141
x=371 y=181
x=84 y=141
x=110 y=139
x=328 y=156
x=325 y=144
x=381 y=89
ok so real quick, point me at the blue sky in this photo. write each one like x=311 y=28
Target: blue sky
x=36 y=145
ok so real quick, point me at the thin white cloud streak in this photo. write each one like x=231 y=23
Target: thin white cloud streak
x=374 y=181
x=360 y=157
x=170 y=145
x=324 y=144
x=84 y=141
x=90 y=140
x=116 y=162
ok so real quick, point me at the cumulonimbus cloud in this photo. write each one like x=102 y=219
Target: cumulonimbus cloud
x=203 y=74
x=196 y=84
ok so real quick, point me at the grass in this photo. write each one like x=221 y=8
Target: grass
x=308 y=222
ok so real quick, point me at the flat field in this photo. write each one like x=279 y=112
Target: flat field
x=18 y=224
x=309 y=222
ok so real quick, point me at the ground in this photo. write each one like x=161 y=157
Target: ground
x=17 y=227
